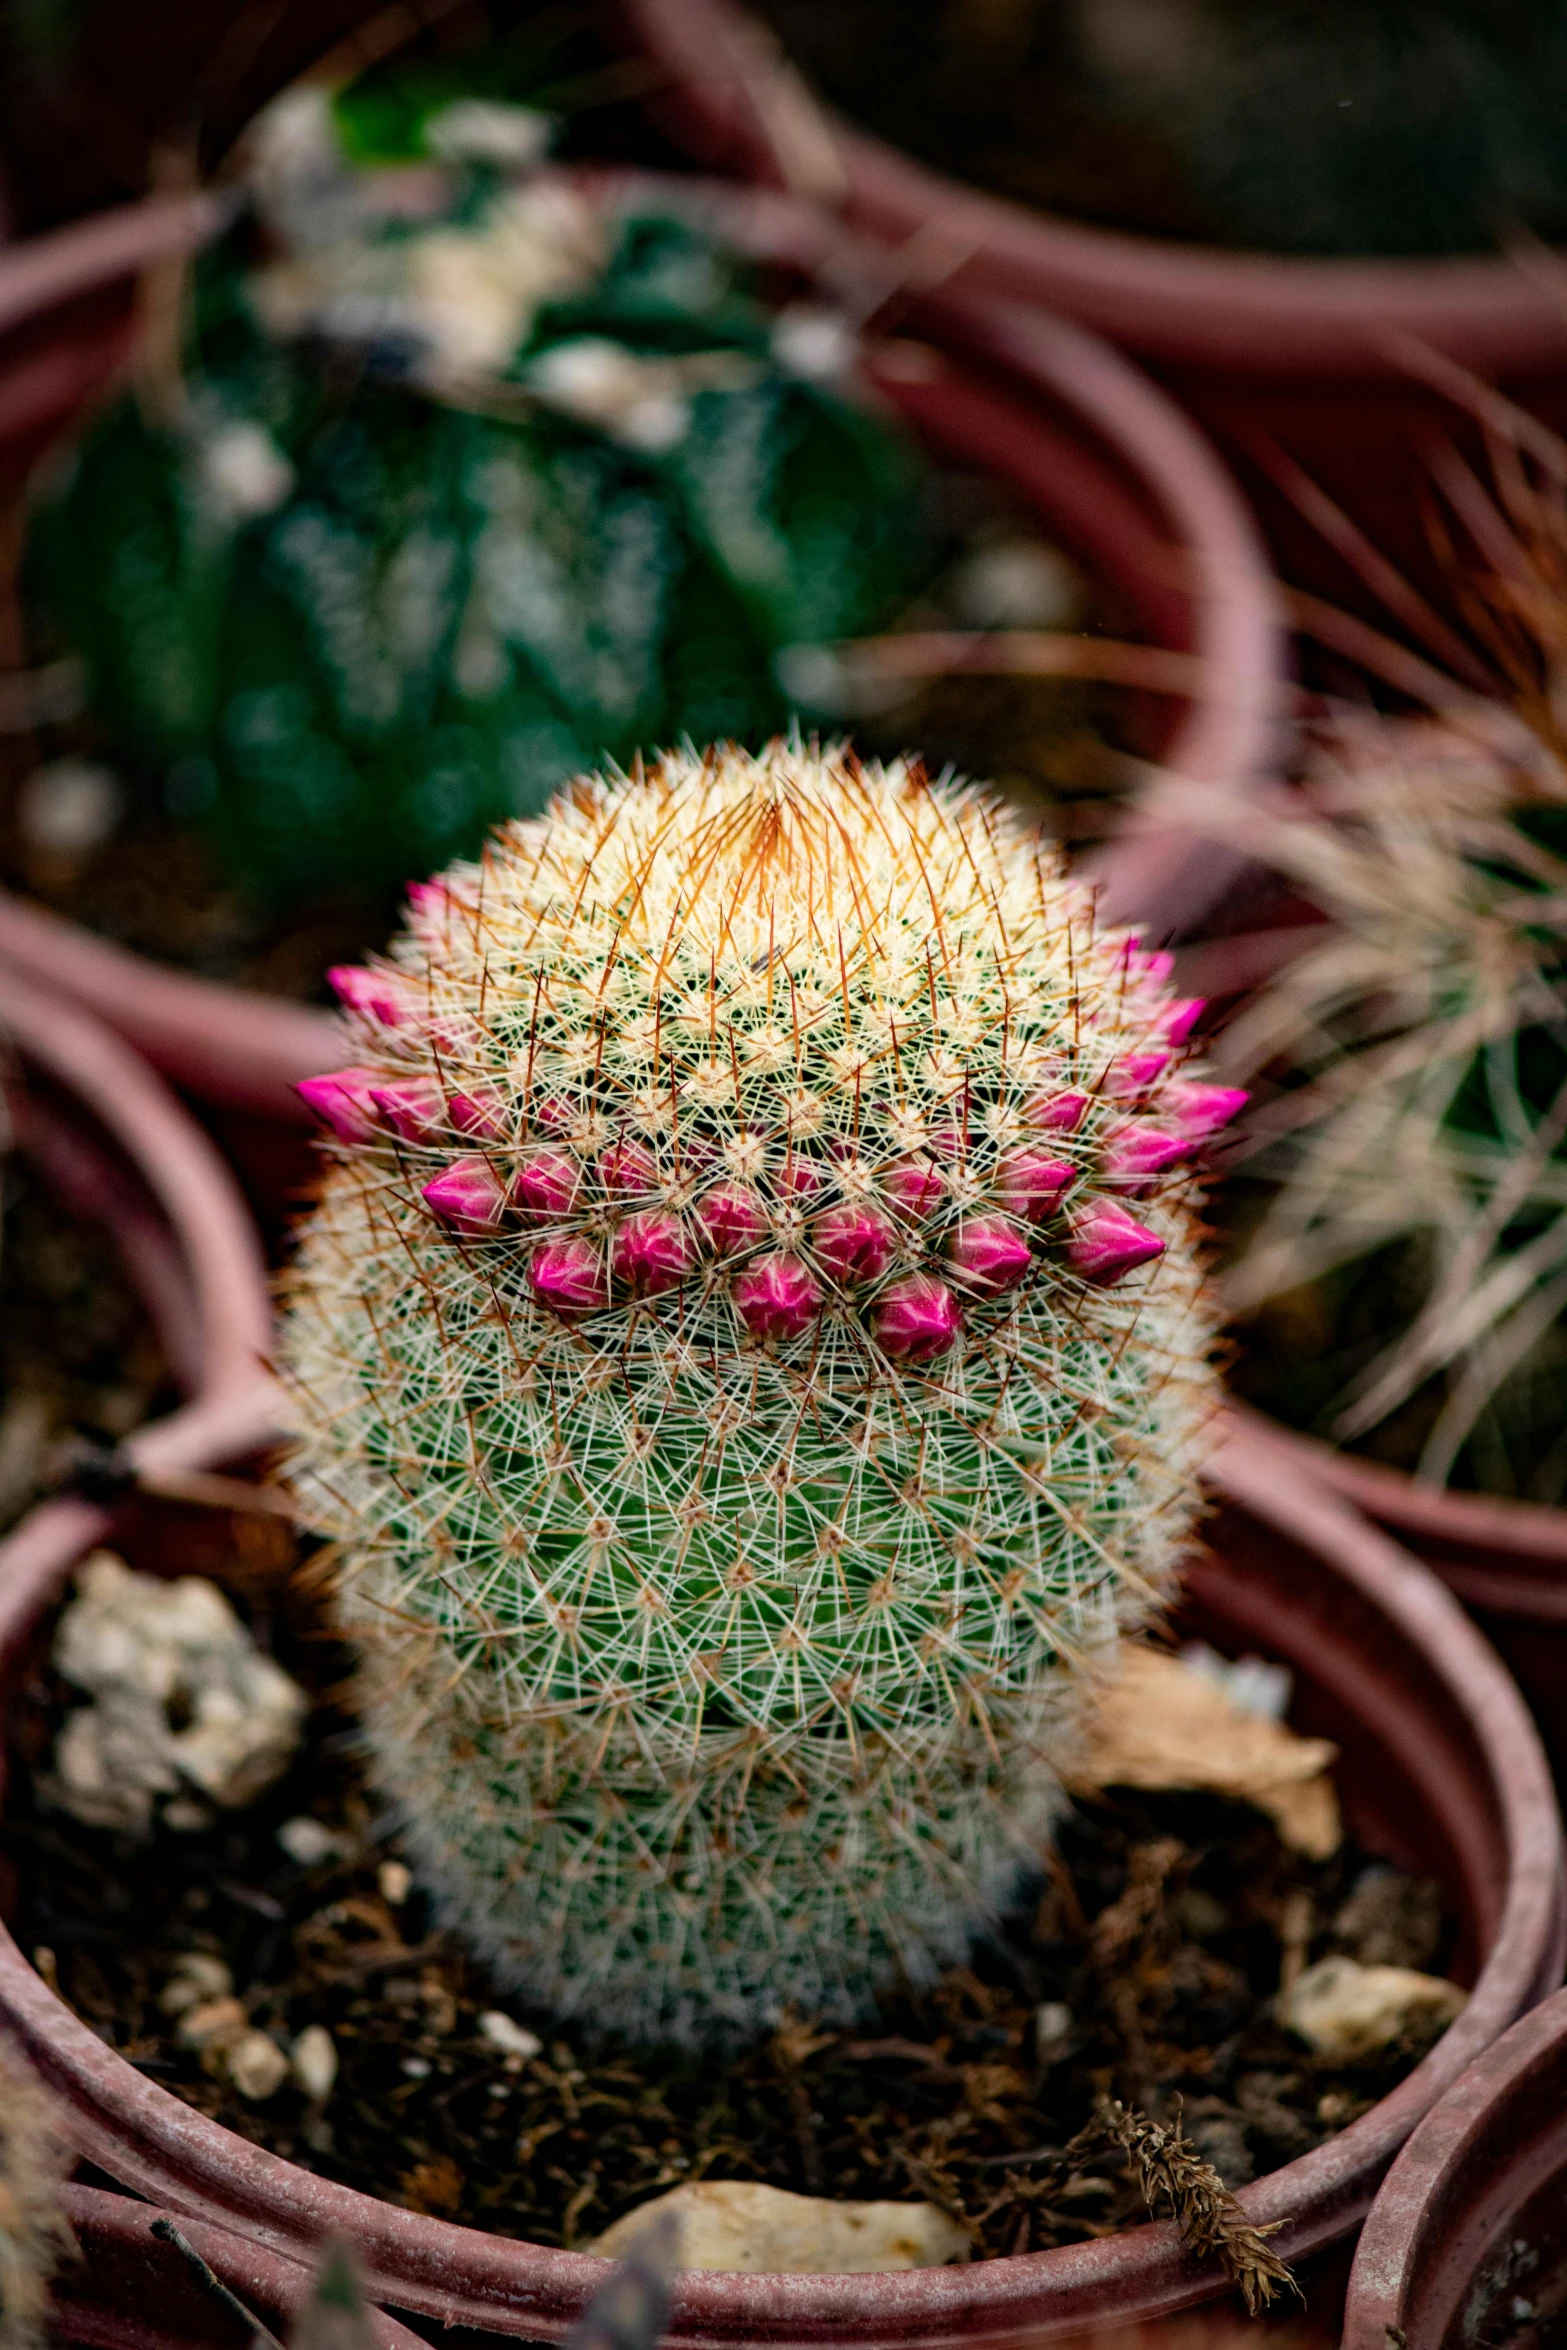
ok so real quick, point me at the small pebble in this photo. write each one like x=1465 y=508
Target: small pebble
x=1343 y=2010
x=314 y=2061
x=1052 y=2022
x=516 y=2043
x=308 y=1841
x=70 y=807
x=257 y=2067
x=215 y=2023
x=742 y=2224
x=396 y=1882
x=417 y=2067
x=197 y=1976
x=187 y=1817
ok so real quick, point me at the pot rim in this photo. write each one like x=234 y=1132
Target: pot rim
x=144 y=2134
x=1414 y=2201
x=742 y=104
x=235 y=1046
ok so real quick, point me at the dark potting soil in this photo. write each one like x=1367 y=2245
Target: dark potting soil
x=79 y=1361
x=1142 y=1967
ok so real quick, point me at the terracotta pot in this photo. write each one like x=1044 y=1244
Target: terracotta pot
x=1322 y=354
x=1442 y=1772
x=133 y=2291
x=1087 y=442
x=123 y=1149
x=1505 y=1560
x=1472 y=2220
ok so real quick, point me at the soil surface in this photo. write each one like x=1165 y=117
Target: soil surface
x=78 y=1359
x=1142 y=1966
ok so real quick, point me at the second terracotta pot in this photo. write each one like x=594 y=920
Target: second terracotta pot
x=1083 y=440
x=1467 y=2242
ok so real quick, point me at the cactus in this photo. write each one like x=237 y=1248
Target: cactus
x=746 y=1419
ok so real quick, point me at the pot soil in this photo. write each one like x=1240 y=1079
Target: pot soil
x=1074 y=434
x=1348 y=364
x=1465 y=2243
x=1441 y=1774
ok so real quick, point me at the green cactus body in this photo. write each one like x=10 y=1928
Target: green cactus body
x=730 y=1360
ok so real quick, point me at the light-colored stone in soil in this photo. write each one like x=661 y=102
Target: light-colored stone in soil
x=314 y=2062
x=515 y=2042
x=214 y=2024
x=1343 y=2010
x=183 y=1701
x=196 y=1976
x=257 y=2067
x=737 y=2224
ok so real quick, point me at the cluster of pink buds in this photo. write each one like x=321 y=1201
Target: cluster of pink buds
x=801 y=1251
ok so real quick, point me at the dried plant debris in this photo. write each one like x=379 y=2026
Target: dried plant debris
x=1171 y=2171
x=1161 y=1723
x=1144 y=1968
x=34 y=2232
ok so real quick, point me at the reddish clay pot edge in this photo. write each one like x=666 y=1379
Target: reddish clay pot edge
x=1491 y=2143
x=246 y=1050
x=140 y=2132
x=739 y=105
x=131 y=2291
x=232 y=1407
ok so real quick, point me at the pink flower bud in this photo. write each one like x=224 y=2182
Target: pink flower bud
x=651 y=1252
x=467 y=1195
x=853 y=1244
x=377 y=995
x=413 y=1107
x=545 y=1186
x=916 y=1319
x=1056 y=1113
x=1030 y=1183
x=913 y=1191
x=989 y=1255
x=346 y=1101
x=1107 y=1244
x=568 y=1276
x=777 y=1296
x=1134 y=1154
x=627 y=1171
x=1135 y=1072
x=1200 y=1110
x=480 y=1111
x=427 y=905
x=731 y=1218
x=1177 y=1020
x=1145 y=962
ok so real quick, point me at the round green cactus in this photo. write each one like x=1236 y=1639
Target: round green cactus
x=752 y=1351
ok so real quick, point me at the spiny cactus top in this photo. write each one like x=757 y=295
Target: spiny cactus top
x=751 y=1343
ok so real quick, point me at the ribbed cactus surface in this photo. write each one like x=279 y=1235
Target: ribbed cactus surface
x=752 y=1350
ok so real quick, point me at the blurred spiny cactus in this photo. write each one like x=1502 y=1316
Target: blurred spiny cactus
x=718 y=1355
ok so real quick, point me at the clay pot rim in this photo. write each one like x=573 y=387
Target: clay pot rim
x=503 y=2284
x=227 y=1304
x=1187 y=304
x=1433 y=2166
x=235 y=1046
x=122 y=2258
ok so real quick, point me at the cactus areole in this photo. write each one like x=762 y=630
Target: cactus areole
x=743 y=1437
